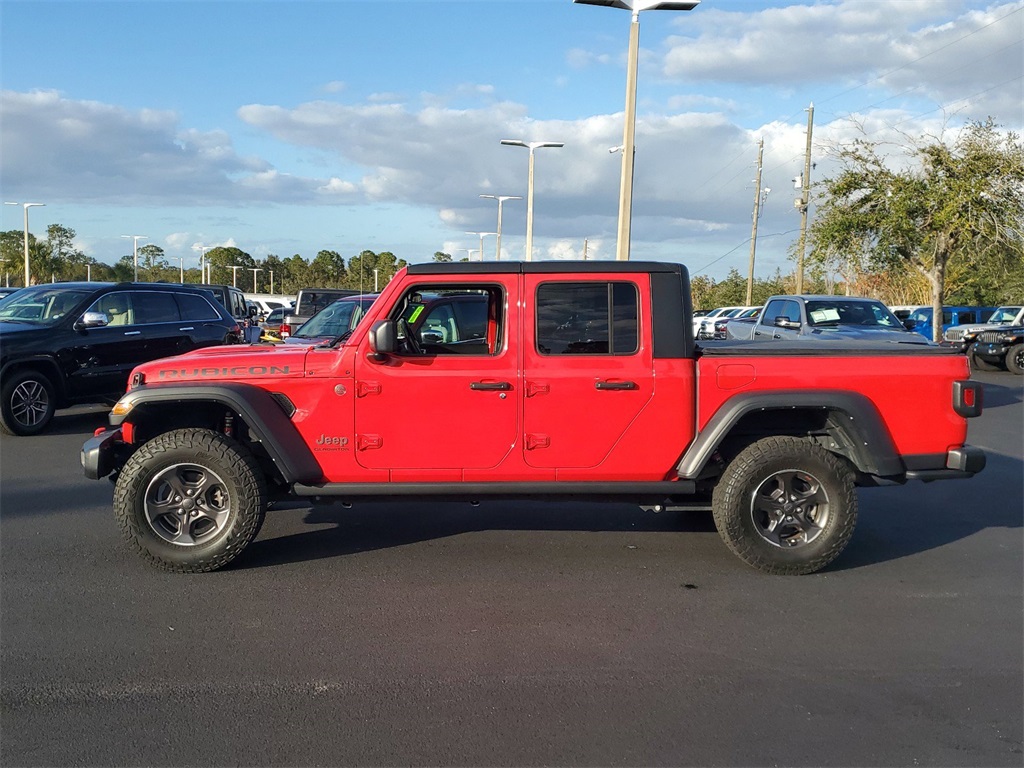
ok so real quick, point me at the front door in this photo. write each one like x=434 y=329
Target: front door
x=449 y=399
x=587 y=376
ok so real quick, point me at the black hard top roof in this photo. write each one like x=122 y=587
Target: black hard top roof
x=541 y=267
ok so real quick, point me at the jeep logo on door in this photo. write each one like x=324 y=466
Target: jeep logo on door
x=331 y=443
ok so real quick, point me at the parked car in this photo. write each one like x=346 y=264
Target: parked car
x=837 y=317
x=68 y=343
x=7 y=291
x=331 y=322
x=996 y=348
x=954 y=335
x=308 y=302
x=703 y=327
x=746 y=316
x=920 y=320
x=267 y=303
x=270 y=328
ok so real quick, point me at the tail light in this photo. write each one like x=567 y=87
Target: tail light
x=967 y=398
x=285 y=330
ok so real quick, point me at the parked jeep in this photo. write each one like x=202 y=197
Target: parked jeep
x=997 y=348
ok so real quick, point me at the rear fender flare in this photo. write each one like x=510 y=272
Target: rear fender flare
x=264 y=415
x=871 y=445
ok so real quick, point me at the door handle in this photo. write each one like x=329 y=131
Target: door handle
x=616 y=385
x=188 y=327
x=133 y=333
x=491 y=385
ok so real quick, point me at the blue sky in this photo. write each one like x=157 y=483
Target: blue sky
x=291 y=127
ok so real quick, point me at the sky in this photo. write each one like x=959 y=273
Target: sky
x=289 y=127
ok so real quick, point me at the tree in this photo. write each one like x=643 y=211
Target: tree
x=959 y=201
x=221 y=260
x=442 y=256
x=328 y=269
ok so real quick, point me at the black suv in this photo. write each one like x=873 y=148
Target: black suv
x=67 y=343
x=994 y=348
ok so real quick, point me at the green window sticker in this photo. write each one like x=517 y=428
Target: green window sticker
x=416 y=313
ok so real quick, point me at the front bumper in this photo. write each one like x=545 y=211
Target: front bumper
x=100 y=453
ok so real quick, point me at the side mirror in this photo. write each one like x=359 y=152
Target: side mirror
x=252 y=311
x=383 y=339
x=910 y=324
x=785 y=322
x=92 y=320
x=431 y=337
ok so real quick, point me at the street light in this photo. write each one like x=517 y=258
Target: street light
x=203 y=266
x=26 y=206
x=234 y=273
x=135 y=249
x=254 y=271
x=628 y=146
x=501 y=199
x=482 y=236
x=531 y=145
x=181 y=268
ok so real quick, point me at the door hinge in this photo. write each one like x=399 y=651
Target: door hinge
x=536 y=388
x=368 y=442
x=364 y=388
x=537 y=441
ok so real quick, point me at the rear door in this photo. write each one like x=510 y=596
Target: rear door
x=587 y=376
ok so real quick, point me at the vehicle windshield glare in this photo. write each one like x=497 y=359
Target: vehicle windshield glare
x=1003 y=315
x=337 y=318
x=859 y=313
x=41 y=305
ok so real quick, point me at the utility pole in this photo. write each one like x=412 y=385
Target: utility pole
x=754 y=227
x=586 y=243
x=804 y=202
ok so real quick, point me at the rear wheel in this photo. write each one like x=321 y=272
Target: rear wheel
x=1015 y=359
x=786 y=506
x=28 y=404
x=190 y=500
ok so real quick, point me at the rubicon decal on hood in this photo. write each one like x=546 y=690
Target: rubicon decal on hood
x=219 y=373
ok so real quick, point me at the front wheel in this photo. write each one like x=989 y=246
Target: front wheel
x=190 y=500
x=786 y=506
x=1015 y=359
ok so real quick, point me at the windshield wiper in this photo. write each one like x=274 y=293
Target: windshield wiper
x=339 y=339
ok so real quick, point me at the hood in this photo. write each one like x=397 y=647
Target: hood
x=870 y=333
x=12 y=328
x=232 y=362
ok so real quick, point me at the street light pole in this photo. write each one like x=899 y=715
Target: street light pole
x=501 y=199
x=271 y=281
x=482 y=236
x=234 y=274
x=181 y=268
x=202 y=260
x=628 y=145
x=254 y=271
x=532 y=145
x=26 y=206
x=135 y=250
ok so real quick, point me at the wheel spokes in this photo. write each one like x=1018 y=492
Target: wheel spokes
x=29 y=402
x=790 y=508
x=187 y=504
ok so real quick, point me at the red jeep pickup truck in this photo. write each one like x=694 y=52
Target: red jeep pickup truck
x=543 y=380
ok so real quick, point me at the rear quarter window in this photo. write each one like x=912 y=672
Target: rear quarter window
x=193 y=307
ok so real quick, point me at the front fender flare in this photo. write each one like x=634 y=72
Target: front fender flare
x=264 y=415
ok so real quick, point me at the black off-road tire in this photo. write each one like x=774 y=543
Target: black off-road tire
x=204 y=456
x=823 y=502
x=28 y=404
x=981 y=364
x=1015 y=359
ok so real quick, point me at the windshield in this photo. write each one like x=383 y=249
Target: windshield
x=921 y=316
x=863 y=314
x=1003 y=315
x=42 y=305
x=341 y=316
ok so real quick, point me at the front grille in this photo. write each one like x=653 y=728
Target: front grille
x=989 y=337
x=954 y=334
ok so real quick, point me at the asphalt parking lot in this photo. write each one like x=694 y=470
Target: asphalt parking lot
x=514 y=633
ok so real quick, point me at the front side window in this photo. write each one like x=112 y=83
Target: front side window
x=41 y=305
x=118 y=307
x=592 y=318
x=451 y=320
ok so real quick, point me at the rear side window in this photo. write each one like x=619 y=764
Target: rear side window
x=155 y=307
x=587 y=318
x=195 y=308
